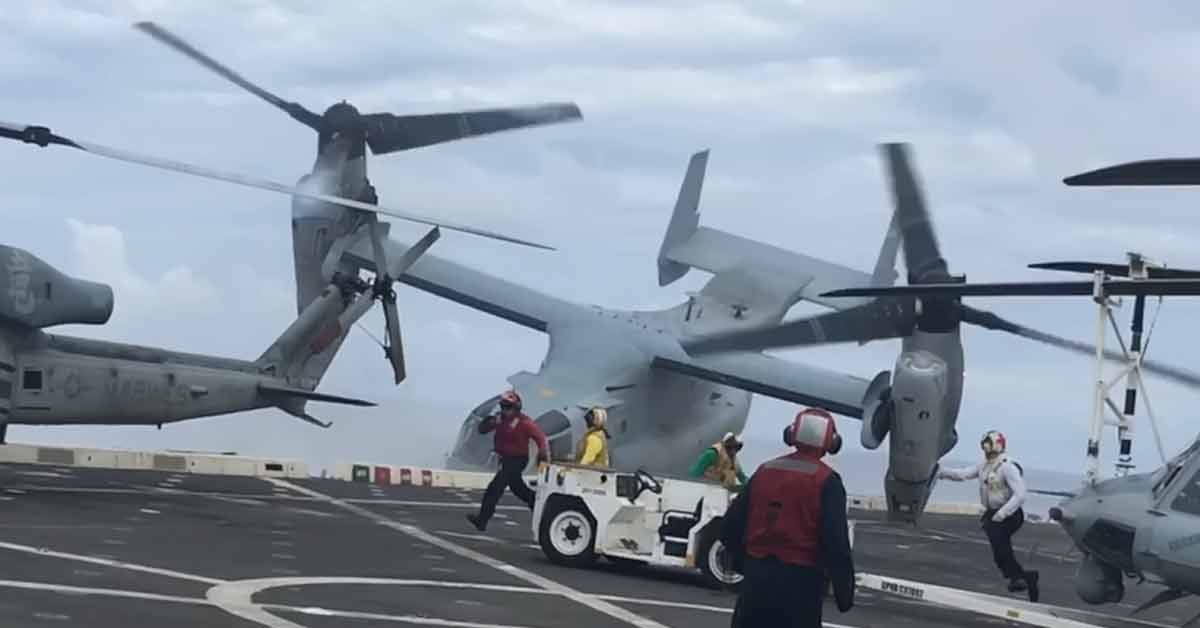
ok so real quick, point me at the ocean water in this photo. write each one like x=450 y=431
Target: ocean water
x=863 y=471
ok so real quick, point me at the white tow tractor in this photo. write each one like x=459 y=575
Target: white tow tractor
x=583 y=512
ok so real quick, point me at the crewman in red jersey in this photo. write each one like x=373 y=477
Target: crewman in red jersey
x=514 y=429
x=787 y=531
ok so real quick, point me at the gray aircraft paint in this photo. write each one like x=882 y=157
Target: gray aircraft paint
x=664 y=405
x=50 y=379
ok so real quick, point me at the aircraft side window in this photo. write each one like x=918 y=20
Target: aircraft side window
x=31 y=379
x=1188 y=498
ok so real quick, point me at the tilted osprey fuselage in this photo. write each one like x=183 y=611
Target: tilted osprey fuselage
x=664 y=405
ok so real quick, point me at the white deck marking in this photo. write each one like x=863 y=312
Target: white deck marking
x=406 y=619
x=66 y=588
x=107 y=562
x=267 y=496
x=235 y=598
x=591 y=601
x=475 y=537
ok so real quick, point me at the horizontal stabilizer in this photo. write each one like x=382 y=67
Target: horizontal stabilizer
x=309 y=395
x=774 y=377
x=791 y=275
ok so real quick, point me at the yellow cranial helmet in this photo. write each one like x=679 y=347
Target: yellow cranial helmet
x=596 y=417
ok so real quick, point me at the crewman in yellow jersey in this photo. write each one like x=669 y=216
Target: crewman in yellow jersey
x=593 y=449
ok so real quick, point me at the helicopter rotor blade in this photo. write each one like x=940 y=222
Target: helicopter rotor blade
x=1117 y=270
x=1122 y=287
x=1185 y=171
x=387 y=133
x=990 y=320
x=42 y=136
x=295 y=110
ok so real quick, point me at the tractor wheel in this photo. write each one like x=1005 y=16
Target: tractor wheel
x=568 y=534
x=715 y=565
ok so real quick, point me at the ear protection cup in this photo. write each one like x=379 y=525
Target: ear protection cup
x=836 y=445
x=787 y=435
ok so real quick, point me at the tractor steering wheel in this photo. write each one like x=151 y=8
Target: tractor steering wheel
x=648 y=481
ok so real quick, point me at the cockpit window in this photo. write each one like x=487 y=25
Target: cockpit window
x=1188 y=499
x=1165 y=477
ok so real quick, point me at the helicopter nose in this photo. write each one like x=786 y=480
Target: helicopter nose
x=1058 y=515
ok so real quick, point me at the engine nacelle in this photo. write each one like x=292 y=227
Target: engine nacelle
x=1098 y=583
x=35 y=294
x=877 y=411
x=918 y=411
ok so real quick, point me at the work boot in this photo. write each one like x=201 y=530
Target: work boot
x=1032 y=578
x=477 y=522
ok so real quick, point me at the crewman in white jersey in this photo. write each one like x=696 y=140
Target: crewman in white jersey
x=1002 y=493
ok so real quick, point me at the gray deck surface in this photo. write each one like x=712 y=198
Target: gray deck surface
x=106 y=548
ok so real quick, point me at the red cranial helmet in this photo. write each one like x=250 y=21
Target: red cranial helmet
x=510 y=400
x=813 y=430
x=993 y=442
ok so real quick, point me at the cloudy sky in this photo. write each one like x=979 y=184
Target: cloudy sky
x=999 y=103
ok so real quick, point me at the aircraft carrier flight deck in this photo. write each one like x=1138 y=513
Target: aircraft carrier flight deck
x=108 y=548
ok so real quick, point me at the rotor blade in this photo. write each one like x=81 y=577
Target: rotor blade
x=892 y=318
x=400 y=265
x=395 y=350
x=387 y=133
x=295 y=110
x=42 y=136
x=1148 y=172
x=391 y=319
x=922 y=256
x=1117 y=270
x=990 y=320
x=1123 y=287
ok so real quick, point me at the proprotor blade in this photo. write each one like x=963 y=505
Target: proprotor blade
x=388 y=133
x=922 y=256
x=42 y=136
x=1117 y=270
x=990 y=320
x=1165 y=287
x=1185 y=171
x=395 y=350
x=295 y=110
x=391 y=318
x=877 y=320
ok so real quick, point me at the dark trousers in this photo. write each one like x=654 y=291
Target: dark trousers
x=1000 y=537
x=508 y=476
x=775 y=594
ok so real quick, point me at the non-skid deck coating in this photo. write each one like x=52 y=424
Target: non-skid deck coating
x=90 y=547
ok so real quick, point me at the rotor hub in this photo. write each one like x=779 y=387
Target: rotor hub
x=342 y=118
